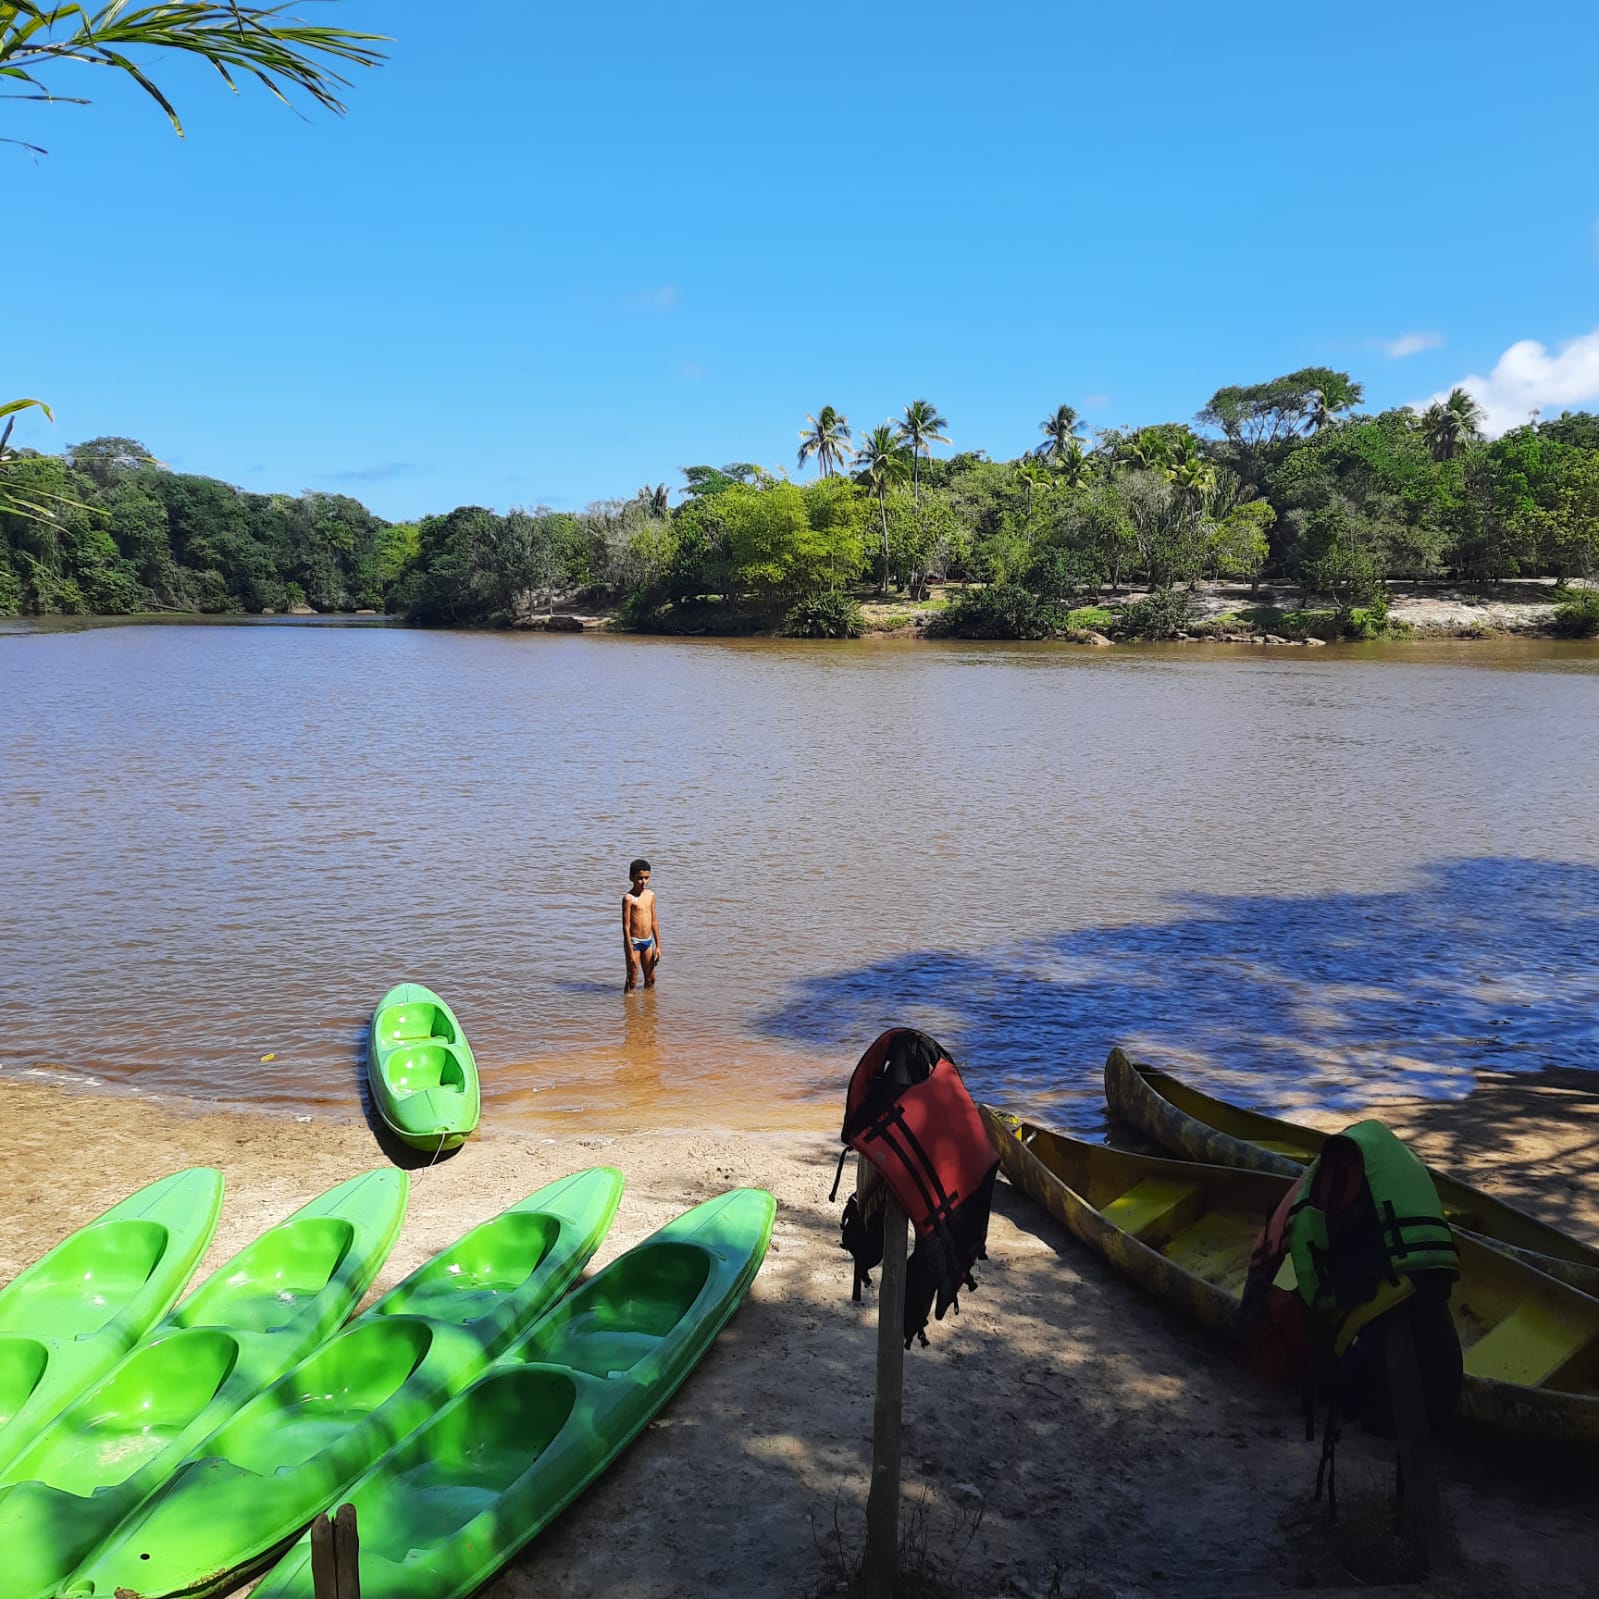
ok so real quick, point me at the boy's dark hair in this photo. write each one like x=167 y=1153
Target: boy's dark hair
x=640 y=865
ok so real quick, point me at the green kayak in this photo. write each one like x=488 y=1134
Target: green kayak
x=420 y=1067
x=447 y=1507
x=292 y=1451
x=242 y=1328
x=74 y=1314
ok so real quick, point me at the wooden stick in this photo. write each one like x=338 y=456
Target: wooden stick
x=1423 y=1513
x=324 y=1570
x=347 y=1553
x=882 y=1504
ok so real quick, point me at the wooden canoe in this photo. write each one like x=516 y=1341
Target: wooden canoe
x=1185 y=1232
x=1191 y=1124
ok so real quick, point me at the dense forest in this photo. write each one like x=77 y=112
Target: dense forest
x=1286 y=481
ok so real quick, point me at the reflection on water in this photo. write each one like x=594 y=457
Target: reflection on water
x=223 y=843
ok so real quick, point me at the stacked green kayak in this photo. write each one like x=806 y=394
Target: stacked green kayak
x=424 y=1080
x=293 y=1450
x=250 y=1321
x=452 y=1503
x=72 y=1315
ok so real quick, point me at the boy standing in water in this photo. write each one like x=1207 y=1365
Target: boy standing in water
x=641 y=927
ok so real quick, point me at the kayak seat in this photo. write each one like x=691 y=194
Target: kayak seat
x=468 y=1280
x=136 y=1412
x=617 y=1319
x=78 y=1289
x=1532 y=1343
x=331 y=1392
x=461 y=1464
x=271 y=1280
x=414 y=1023
x=22 y=1363
x=416 y=1068
x=1155 y=1209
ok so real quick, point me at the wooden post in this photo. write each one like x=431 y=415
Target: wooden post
x=1423 y=1512
x=347 y=1553
x=335 y=1556
x=882 y=1504
x=324 y=1575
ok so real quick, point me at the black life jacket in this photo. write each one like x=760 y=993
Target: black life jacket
x=908 y=1113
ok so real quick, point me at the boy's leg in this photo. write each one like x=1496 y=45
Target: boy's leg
x=632 y=974
x=651 y=959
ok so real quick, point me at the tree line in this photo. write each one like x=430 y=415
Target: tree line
x=1286 y=480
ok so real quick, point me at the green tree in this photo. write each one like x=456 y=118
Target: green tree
x=879 y=464
x=776 y=554
x=1450 y=425
x=827 y=439
x=1060 y=434
x=919 y=432
x=1338 y=393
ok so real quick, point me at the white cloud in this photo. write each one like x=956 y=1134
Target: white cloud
x=1528 y=378
x=664 y=297
x=1095 y=402
x=1409 y=344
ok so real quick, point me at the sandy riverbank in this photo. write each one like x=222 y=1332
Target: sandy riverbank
x=1110 y=1448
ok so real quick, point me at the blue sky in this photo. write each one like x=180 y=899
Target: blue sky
x=552 y=253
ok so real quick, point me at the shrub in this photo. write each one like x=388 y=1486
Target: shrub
x=1090 y=618
x=1003 y=610
x=1579 y=616
x=825 y=614
x=1163 y=614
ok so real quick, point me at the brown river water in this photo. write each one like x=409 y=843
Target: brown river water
x=1311 y=878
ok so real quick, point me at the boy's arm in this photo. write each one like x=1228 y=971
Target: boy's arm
x=655 y=925
x=627 y=932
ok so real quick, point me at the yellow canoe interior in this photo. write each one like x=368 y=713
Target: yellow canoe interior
x=1188 y=1123
x=1185 y=1232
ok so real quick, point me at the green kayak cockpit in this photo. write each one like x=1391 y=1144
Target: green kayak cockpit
x=22 y=1363
x=469 y=1279
x=269 y=1282
x=415 y=1021
x=80 y=1286
x=415 y=1068
x=624 y=1314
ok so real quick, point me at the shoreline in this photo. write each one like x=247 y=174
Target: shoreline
x=1425 y=612
x=1110 y=1446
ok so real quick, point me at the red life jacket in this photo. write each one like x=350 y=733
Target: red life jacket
x=908 y=1113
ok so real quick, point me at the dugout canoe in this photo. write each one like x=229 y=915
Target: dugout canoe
x=422 y=1074
x=450 y=1505
x=75 y=1312
x=242 y=1328
x=1196 y=1126
x=1185 y=1233
x=243 y=1493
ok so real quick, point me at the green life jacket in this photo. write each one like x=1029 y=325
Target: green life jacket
x=1368 y=1223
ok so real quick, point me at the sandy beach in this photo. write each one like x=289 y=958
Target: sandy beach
x=1074 y=1438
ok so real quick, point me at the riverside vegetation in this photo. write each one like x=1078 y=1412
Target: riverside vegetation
x=1282 y=482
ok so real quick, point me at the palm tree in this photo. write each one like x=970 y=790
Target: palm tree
x=1060 y=434
x=657 y=502
x=1072 y=466
x=880 y=462
x=1450 y=424
x=253 y=41
x=1035 y=475
x=827 y=440
x=1339 y=393
x=920 y=431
